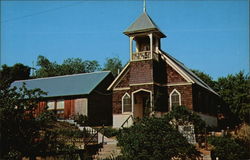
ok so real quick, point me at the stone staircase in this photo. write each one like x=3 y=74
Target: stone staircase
x=206 y=155
x=109 y=150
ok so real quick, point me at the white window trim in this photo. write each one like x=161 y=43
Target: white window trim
x=62 y=101
x=151 y=98
x=54 y=103
x=123 y=105
x=170 y=99
x=86 y=104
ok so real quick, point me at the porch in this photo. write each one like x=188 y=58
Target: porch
x=139 y=105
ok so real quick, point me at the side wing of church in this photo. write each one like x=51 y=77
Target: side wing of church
x=71 y=95
x=153 y=82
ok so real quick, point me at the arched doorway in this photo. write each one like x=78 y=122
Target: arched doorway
x=141 y=103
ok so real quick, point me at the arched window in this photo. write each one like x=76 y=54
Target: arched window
x=175 y=99
x=126 y=103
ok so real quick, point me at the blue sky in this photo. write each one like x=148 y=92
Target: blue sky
x=211 y=36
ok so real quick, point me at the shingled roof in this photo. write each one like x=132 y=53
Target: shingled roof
x=142 y=24
x=179 y=67
x=68 y=85
x=193 y=78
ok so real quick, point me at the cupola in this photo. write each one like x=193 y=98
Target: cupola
x=144 y=37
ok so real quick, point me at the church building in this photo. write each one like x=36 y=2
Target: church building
x=153 y=82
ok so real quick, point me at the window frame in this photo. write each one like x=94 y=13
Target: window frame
x=51 y=102
x=60 y=111
x=170 y=98
x=126 y=94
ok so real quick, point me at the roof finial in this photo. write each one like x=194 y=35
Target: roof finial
x=144 y=6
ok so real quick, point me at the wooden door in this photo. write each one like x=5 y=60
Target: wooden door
x=81 y=106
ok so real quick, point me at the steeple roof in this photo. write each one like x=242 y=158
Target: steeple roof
x=143 y=24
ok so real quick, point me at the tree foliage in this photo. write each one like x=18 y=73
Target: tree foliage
x=154 y=138
x=8 y=74
x=69 y=66
x=235 y=91
x=114 y=65
x=182 y=116
x=19 y=128
x=22 y=133
x=227 y=148
x=205 y=77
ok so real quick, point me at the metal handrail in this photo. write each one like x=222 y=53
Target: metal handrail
x=92 y=137
x=126 y=121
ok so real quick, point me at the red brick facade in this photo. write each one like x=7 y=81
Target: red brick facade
x=173 y=76
x=161 y=79
x=141 y=72
x=186 y=94
x=116 y=101
x=124 y=81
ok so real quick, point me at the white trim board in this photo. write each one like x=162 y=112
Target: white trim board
x=121 y=89
x=176 y=68
x=170 y=99
x=123 y=104
x=151 y=98
x=112 y=84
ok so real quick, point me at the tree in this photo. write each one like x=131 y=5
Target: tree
x=15 y=72
x=91 y=66
x=22 y=133
x=205 y=77
x=154 y=138
x=114 y=65
x=182 y=116
x=235 y=91
x=227 y=148
x=47 y=68
x=77 y=65
x=69 y=66
x=19 y=128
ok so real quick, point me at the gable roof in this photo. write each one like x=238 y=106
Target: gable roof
x=68 y=85
x=186 y=73
x=142 y=24
x=118 y=77
x=179 y=67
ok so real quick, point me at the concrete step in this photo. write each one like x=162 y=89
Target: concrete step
x=108 y=151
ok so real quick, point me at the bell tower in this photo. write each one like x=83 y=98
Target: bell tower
x=144 y=37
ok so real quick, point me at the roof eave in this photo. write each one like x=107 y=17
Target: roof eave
x=130 y=33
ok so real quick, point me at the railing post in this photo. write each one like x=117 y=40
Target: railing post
x=205 y=137
x=84 y=136
x=103 y=134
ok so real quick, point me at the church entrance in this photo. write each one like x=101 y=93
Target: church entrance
x=141 y=103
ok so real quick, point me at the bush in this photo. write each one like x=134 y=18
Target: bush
x=243 y=133
x=180 y=115
x=82 y=120
x=183 y=116
x=154 y=138
x=46 y=116
x=227 y=148
x=110 y=132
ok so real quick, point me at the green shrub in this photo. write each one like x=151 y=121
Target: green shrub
x=180 y=115
x=110 y=132
x=120 y=157
x=72 y=133
x=46 y=116
x=227 y=148
x=154 y=138
x=184 y=116
x=82 y=120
